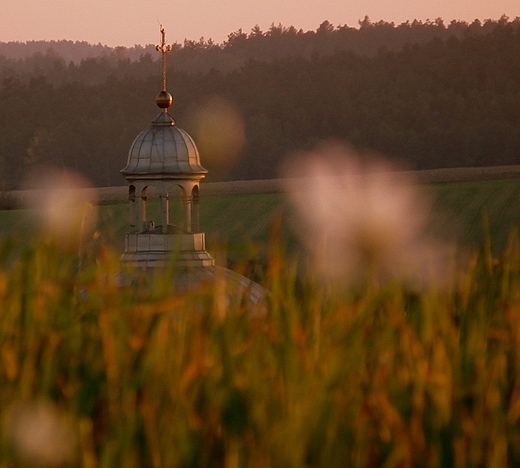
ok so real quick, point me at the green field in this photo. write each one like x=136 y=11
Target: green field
x=239 y=221
x=457 y=214
x=460 y=209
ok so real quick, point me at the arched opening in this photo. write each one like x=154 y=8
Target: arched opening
x=153 y=208
x=181 y=210
x=175 y=208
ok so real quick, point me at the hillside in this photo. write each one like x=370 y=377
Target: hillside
x=450 y=100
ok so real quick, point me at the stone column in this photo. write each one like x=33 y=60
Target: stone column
x=188 y=206
x=133 y=215
x=142 y=213
x=165 y=208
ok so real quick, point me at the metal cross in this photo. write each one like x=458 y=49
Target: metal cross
x=163 y=48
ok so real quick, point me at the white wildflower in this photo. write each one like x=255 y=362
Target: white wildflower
x=40 y=434
x=360 y=217
x=64 y=201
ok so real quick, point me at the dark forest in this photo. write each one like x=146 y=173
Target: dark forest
x=428 y=94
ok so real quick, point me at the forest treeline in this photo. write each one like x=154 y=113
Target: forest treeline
x=56 y=59
x=429 y=94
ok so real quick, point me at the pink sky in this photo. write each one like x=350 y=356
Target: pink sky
x=129 y=22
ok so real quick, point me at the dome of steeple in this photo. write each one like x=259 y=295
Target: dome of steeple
x=164 y=149
x=166 y=158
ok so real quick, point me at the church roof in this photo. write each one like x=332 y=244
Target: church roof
x=164 y=152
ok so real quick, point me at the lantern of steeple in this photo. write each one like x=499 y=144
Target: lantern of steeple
x=164 y=165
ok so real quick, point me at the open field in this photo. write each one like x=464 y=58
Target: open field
x=460 y=210
x=238 y=219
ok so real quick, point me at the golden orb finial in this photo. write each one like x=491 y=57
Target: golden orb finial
x=164 y=99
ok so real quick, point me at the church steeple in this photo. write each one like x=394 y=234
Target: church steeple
x=164 y=162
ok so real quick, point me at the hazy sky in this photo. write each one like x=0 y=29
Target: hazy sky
x=129 y=22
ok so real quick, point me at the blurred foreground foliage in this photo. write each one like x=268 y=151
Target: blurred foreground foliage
x=380 y=376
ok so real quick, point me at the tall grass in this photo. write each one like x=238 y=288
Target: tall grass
x=140 y=376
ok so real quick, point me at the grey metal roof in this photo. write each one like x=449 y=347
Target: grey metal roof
x=238 y=287
x=164 y=148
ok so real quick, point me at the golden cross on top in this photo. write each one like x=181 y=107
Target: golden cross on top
x=163 y=48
